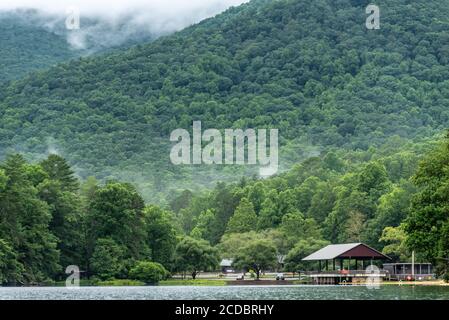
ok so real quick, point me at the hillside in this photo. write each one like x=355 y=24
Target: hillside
x=26 y=46
x=361 y=114
x=32 y=40
x=310 y=69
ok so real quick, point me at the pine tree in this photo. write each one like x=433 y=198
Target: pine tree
x=58 y=169
x=244 y=218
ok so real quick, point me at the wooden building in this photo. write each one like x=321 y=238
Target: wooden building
x=409 y=271
x=226 y=266
x=346 y=263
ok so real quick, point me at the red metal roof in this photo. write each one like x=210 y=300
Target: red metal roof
x=346 y=251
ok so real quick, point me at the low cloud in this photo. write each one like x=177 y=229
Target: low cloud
x=111 y=22
x=173 y=9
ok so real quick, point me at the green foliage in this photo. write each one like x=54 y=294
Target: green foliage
x=161 y=234
x=148 y=272
x=360 y=108
x=244 y=218
x=396 y=247
x=295 y=227
x=59 y=170
x=10 y=268
x=265 y=64
x=354 y=204
x=48 y=222
x=3 y=180
x=392 y=209
x=205 y=224
x=119 y=283
x=34 y=40
x=107 y=228
x=231 y=243
x=108 y=259
x=196 y=282
x=67 y=220
x=427 y=223
x=195 y=256
x=258 y=256
x=28 y=46
x=24 y=225
x=182 y=201
x=373 y=180
x=116 y=212
x=293 y=260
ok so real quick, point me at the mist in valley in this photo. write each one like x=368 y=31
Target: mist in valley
x=111 y=24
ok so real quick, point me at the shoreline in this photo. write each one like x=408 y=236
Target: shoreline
x=221 y=283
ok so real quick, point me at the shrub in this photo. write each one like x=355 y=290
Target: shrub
x=148 y=272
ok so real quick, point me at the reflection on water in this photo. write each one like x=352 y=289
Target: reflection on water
x=230 y=293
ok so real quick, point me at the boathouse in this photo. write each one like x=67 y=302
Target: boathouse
x=409 y=271
x=346 y=263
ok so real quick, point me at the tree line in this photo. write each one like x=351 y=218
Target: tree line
x=49 y=219
x=310 y=69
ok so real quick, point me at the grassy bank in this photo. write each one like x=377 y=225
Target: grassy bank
x=120 y=283
x=190 y=282
x=216 y=282
x=97 y=283
x=415 y=283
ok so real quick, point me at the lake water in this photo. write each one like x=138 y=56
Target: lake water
x=229 y=293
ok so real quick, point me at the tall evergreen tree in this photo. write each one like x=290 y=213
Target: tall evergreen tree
x=244 y=218
x=59 y=170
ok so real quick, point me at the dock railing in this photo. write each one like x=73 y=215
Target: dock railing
x=345 y=273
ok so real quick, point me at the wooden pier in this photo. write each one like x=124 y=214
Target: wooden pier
x=342 y=262
x=346 y=277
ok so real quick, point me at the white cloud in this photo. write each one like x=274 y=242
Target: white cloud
x=118 y=19
x=114 y=8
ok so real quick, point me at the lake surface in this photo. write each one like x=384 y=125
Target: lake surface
x=229 y=293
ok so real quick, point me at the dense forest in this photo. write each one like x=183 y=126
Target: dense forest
x=26 y=45
x=33 y=40
x=312 y=70
x=393 y=201
x=86 y=178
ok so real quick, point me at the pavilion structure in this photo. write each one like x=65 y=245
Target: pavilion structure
x=346 y=263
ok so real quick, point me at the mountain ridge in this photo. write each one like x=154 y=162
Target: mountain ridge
x=311 y=70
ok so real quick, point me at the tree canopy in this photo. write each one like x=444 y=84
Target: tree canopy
x=310 y=69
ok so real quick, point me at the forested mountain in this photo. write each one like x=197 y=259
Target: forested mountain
x=32 y=40
x=26 y=45
x=360 y=112
x=313 y=70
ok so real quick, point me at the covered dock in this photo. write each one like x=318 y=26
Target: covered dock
x=345 y=263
